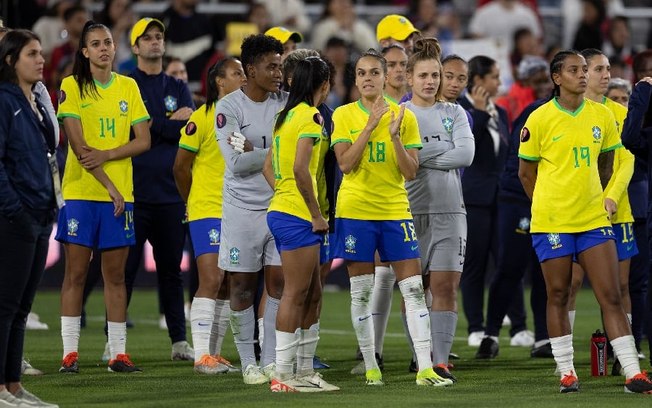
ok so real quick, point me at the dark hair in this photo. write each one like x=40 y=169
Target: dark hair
x=291 y=62
x=520 y=33
x=638 y=63
x=425 y=49
x=10 y=46
x=393 y=46
x=167 y=60
x=336 y=42
x=308 y=76
x=556 y=64
x=256 y=46
x=81 y=71
x=453 y=57
x=480 y=65
x=71 y=11
x=373 y=54
x=589 y=53
x=104 y=16
x=217 y=70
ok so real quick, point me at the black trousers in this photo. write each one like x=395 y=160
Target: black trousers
x=23 y=251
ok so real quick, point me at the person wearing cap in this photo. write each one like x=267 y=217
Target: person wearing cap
x=288 y=38
x=158 y=207
x=532 y=83
x=396 y=29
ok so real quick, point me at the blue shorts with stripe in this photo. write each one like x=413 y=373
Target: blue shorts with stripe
x=205 y=235
x=557 y=245
x=291 y=232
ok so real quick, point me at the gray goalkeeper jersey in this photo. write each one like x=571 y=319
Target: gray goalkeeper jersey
x=447 y=146
x=244 y=183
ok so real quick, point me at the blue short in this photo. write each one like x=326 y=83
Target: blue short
x=625 y=241
x=92 y=224
x=205 y=236
x=291 y=232
x=557 y=245
x=358 y=240
x=325 y=253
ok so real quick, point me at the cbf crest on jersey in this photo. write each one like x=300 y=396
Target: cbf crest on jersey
x=214 y=237
x=349 y=244
x=597 y=134
x=73 y=226
x=523 y=225
x=170 y=103
x=554 y=240
x=234 y=256
x=448 y=124
x=124 y=106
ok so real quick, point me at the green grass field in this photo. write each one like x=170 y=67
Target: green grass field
x=511 y=380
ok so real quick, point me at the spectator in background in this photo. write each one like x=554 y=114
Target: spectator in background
x=501 y=18
x=74 y=19
x=175 y=68
x=50 y=27
x=396 y=83
x=589 y=34
x=338 y=53
x=258 y=15
x=119 y=17
x=396 y=29
x=620 y=69
x=435 y=20
x=288 y=13
x=525 y=43
x=339 y=20
x=617 y=45
x=288 y=38
x=619 y=91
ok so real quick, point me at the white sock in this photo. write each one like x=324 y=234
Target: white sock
x=286 y=351
x=571 y=319
x=625 y=348
x=562 y=350
x=220 y=324
x=306 y=351
x=428 y=294
x=242 y=326
x=202 y=311
x=406 y=329
x=363 y=324
x=418 y=319
x=442 y=329
x=70 y=328
x=261 y=331
x=117 y=338
x=268 y=349
x=381 y=303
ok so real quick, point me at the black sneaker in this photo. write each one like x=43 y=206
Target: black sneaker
x=616 y=368
x=412 y=368
x=453 y=356
x=380 y=362
x=122 y=364
x=570 y=383
x=443 y=372
x=488 y=349
x=543 y=351
x=69 y=363
x=639 y=384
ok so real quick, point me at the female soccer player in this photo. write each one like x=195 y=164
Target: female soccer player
x=455 y=77
x=560 y=145
x=396 y=84
x=376 y=145
x=436 y=194
x=28 y=198
x=296 y=221
x=199 y=174
x=98 y=108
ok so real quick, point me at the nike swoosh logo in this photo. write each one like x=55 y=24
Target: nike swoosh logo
x=362 y=319
x=17 y=112
x=353 y=132
x=203 y=325
x=244 y=126
x=414 y=247
x=555 y=138
x=630 y=247
x=423 y=315
x=130 y=235
x=85 y=105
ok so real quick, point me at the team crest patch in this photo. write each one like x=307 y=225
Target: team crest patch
x=62 y=96
x=597 y=134
x=234 y=256
x=214 y=236
x=73 y=226
x=170 y=103
x=318 y=119
x=124 y=106
x=448 y=124
x=220 y=120
x=191 y=128
x=554 y=240
x=349 y=244
x=525 y=134
x=523 y=225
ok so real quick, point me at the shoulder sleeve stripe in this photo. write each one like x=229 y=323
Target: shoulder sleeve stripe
x=614 y=147
x=529 y=158
x=414 y=146
x=189 y=148
x=68 y=115
x=143 y=119
x=310 y=135
x=336 y=141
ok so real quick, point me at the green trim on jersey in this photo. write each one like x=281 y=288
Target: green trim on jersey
x=108 y=84
x=572 y=113
x=188 y=148
x=143 y=119
x=614 y=147
x=529 y=158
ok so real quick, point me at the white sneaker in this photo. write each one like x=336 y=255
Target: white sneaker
x=27 y=369
x=8 y=400
x=34 y=323
x=475 y=338
x=162 y=323
x=317 y=378
x=252 y=375
x=359 y=369
x=524 y=338
x=106 y=356
x=294 y=385
x=269 y=370
x=32 y=400
x=181 y=350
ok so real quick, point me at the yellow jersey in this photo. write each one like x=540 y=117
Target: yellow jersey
x=106 y=121
x=623 y=170
x=568 y=196
x=375 y=189
x=198 y=136
x=302 y=121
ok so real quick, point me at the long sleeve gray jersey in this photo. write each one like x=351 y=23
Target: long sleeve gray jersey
x=447 y=146
x=244 y=183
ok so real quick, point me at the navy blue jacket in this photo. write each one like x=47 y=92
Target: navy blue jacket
x=636 y=136
x=153 y=178
x=480 y=179
x=25 y=177
x=331 y=169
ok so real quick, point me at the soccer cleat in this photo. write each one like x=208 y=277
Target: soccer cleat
x=453 y=356
x=252 y=375
x=227 y=363
x=488 y=349
x=268 y=371
x=122 y=364
x=543 y=351
x=412 y=368
x=475 y=338
x=317 y=364
x=8 y=399
x=27 y=369
x=524 y=338
x=317 y=378
x=294 y=385
x=181 y=350
x=208 y=364
x=429 y=377
x=616 y=368
x=569 y=383
x=374 y=377
x=639 y=384
x=442 y=371
x=361 y=369
x=32 y=400
x=69 y=363
x=34 y=322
